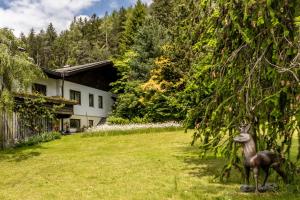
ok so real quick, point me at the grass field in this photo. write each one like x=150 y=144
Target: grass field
x=137 y=166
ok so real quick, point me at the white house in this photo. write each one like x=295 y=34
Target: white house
x=88 y=85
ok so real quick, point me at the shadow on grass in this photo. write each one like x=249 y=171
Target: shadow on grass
x=208 y=170
x=200 y=167
x=20 y=154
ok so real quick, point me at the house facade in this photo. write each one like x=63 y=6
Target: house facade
x=88 y=85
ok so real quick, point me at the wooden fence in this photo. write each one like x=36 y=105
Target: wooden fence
x=13 y=128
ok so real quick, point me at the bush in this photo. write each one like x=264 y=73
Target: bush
x=36 y=139
x=47 y=137
x=138 y=120
x=117 y=120
x=123 y=121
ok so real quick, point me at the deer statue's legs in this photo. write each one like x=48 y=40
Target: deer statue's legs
x=247 y=174
x=276 y=167
x=266 y=170
x=255 y=172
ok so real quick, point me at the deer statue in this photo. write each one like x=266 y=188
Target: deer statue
x=256 y=160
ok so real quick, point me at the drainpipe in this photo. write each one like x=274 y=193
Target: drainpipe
x=62 y=95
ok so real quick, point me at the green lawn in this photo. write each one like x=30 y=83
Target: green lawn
x=137 y=166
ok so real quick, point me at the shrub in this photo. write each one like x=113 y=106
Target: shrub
x=117 y=120
x=123 y=121
x=138 y=120
x=36 y=139
x=46 y=137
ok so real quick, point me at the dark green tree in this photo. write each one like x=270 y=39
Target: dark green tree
x=247 y=71
x=134 y=21
x=162 y=11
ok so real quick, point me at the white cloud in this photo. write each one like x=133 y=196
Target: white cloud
x=22 y=15
x=148 y=2
x=114 y=5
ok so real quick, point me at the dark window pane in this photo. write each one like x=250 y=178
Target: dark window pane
x=100 y=101
x=91 y=100
x=91 y=123
x=75 y=123
x=40 y=89
x=75 y=95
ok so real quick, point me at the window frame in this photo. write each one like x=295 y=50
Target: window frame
x=34 y=91
x=78 y=120
x=91 y=123
x=75 y=93
x=93 y=100
x=100 y=105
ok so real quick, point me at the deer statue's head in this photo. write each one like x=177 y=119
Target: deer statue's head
x=244 y=135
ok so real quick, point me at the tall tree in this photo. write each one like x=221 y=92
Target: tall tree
x=247 y=71
x=162 y=11
x=48 y=47
x=16 y=68
x=134 y=21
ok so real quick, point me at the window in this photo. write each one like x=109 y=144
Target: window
x=40 y=89
x=91 y=100
x=100 y=101
x=91 y=123
x=75 y=95
x=75 y=123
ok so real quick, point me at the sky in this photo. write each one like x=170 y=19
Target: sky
x=22 y=15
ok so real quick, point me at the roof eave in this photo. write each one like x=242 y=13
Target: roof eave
x=66 y=74
x=62 y=74
x=52 y=73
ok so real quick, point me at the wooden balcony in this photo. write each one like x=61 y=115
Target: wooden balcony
x=65 y=112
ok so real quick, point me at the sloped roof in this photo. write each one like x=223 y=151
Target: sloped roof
x=69 y=71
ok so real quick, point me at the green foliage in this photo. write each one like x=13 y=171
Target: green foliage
x=117 y=120
x=135 y=19
x=247 y=71
x=33 y=110
x=120 y=120
x=40 y=138
x=161 y=10
x=153 y=71
x=138 y=120
x=15 y=67
x=86 y=41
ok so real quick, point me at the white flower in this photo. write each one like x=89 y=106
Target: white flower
x=115 y=127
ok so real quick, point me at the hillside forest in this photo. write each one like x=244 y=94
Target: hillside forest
x=212 y=64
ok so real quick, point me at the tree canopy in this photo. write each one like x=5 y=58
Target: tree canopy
x=16 y=68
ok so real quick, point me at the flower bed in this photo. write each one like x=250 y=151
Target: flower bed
x=114 y=130
x=117 y=127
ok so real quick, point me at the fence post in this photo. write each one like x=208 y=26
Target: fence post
x=1 y=130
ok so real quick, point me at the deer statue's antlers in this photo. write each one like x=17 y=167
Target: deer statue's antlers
x=244 y=128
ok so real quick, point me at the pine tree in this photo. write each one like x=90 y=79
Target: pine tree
x=162 y=11
x=31 y=45
x=118 y=20
x=135 y=19
x=48 y=47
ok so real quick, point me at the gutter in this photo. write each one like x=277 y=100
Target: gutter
x=62 y=95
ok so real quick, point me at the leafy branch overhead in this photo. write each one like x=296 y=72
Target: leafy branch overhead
x=15 y=67
x=248 y=71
